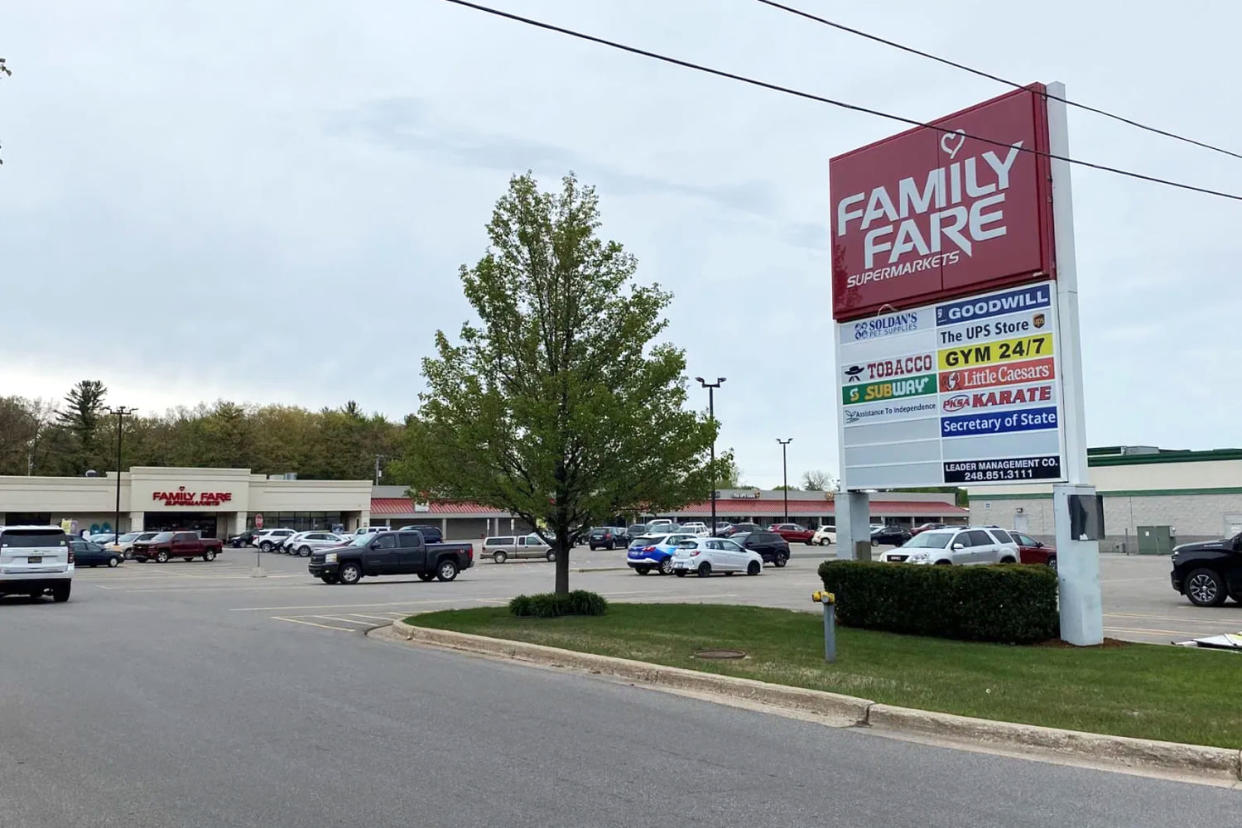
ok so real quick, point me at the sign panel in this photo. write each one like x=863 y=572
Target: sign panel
x=963 y=391
x=928 y=214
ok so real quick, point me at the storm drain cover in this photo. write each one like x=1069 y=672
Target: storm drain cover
x=720 y=654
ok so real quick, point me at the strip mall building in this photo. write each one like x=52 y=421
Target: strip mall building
x=220 y=502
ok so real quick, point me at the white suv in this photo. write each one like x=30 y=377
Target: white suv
x=269 y=539
x=967 y=545
x=696 y=528
x=35 y=560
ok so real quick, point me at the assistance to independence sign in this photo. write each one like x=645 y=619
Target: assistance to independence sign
x=963 y=391
x=945 y=302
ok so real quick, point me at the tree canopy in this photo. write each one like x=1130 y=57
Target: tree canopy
x=559 y=406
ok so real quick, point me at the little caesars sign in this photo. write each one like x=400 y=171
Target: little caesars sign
x=947 y=334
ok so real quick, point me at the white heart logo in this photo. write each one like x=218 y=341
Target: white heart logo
x=949 y=144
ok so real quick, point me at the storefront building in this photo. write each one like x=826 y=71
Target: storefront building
x=222 y=502
x=1194 y=495
x=216 y=502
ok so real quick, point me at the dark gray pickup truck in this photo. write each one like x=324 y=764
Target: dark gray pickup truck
x=391 y=553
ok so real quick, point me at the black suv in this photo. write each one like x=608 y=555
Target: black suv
x=431 y=534
x=1209 y=572
x=739 y=528
x=606 y=537
x=890 y=535
x=770 y=546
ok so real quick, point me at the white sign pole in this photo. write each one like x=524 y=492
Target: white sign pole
x=1078 y=561
x=851 y=510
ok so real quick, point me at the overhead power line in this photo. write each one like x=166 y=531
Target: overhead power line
x=830 y=101
x=990 y=76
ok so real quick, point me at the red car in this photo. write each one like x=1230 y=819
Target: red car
x=1032 y=551
x=923 y=527
x=792 y=532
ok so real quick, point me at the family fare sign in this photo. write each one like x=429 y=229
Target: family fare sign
x=933 y=213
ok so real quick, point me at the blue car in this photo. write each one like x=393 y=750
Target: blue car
x=654 y=552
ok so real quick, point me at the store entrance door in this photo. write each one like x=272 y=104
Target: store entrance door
x=202 y=522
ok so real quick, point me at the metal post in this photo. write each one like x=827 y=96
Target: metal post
x=120 y=412
x=711 y=414
x=785 y=474
x=829 y=601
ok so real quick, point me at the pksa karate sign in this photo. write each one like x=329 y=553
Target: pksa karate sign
x=943 y=273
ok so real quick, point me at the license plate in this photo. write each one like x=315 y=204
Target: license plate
x=35 y=559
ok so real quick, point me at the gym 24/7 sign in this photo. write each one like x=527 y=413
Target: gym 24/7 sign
x=947 y=335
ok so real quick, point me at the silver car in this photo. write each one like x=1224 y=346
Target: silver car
x=304 y=543
x=503 y=547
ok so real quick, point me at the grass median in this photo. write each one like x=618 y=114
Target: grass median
x=1142 y=690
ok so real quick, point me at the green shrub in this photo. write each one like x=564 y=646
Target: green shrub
x=552 y=605
x=1009 y=603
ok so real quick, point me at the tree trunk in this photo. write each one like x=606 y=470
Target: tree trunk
x=562 y=559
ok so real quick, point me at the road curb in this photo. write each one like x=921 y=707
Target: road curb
x=1124 y=751
x=1118 y=751
x=842 y=710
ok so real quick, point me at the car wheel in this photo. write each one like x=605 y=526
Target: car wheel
x=265 y=547
x=1052 y=561
x=129 y=555
x=666 y=566
x=304 y=552
x=705 y=569
x=209 y=555
x=680 y=573
x=426 y=576
x=499 y=557
x=161 y=557
x=1205 y=588
x=782 y=558
x=944 y=563
x=1007 y=559
x=754 y=568
x=60 y=592
x=642 y=570
x=551 y=556
x=822 y=541
x=349 y=574
x=447 y=570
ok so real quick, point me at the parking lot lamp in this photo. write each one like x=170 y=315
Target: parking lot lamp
x=785 y=474
x=120 y=412
x=711 y=413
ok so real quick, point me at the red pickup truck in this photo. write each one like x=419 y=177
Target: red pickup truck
x=187 y=545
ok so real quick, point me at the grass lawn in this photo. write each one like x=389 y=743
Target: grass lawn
x=1149 y=691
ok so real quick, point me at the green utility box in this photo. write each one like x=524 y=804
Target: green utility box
x=1155 y=540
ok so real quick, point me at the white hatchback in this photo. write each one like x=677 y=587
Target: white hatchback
x=968 y=545
x=824 y=534
x=35 y=560
x=704 y=556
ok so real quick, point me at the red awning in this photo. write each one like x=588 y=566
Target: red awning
x=403 y=506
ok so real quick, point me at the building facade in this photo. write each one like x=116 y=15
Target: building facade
x=221 y=502
x=1197 y=494
x=217 y=502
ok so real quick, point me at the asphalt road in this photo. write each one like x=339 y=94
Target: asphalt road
x=191 y=694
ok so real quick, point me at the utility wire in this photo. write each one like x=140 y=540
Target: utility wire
x=990 y=76
x=832 y=102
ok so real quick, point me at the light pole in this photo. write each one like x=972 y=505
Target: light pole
x=120 y=411
x=711 y=413
x=785 y=474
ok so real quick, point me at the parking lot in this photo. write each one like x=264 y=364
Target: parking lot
x=1139 y=604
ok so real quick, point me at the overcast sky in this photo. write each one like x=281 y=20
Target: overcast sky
x=235 y=200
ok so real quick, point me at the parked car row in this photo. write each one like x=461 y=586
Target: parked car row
x=966 y=545
x=674 y=553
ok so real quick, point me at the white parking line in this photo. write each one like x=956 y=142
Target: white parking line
x=346 y=620
x=313 y=624
x=344 y=606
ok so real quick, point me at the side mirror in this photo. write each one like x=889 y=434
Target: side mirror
x=374 y=544
x=957 y=546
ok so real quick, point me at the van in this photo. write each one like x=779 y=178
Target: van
x=35 y=560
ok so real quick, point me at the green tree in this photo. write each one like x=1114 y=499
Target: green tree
x=80 y=417
x=558 y=406
x=818 y=481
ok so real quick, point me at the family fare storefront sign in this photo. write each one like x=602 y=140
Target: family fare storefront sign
x=183 y=498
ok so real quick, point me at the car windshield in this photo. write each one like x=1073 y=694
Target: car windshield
x=650 y=540
x=129 y=536
x=161 y=537
x=362 y=540
x=739 y=537
x=929 y=540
